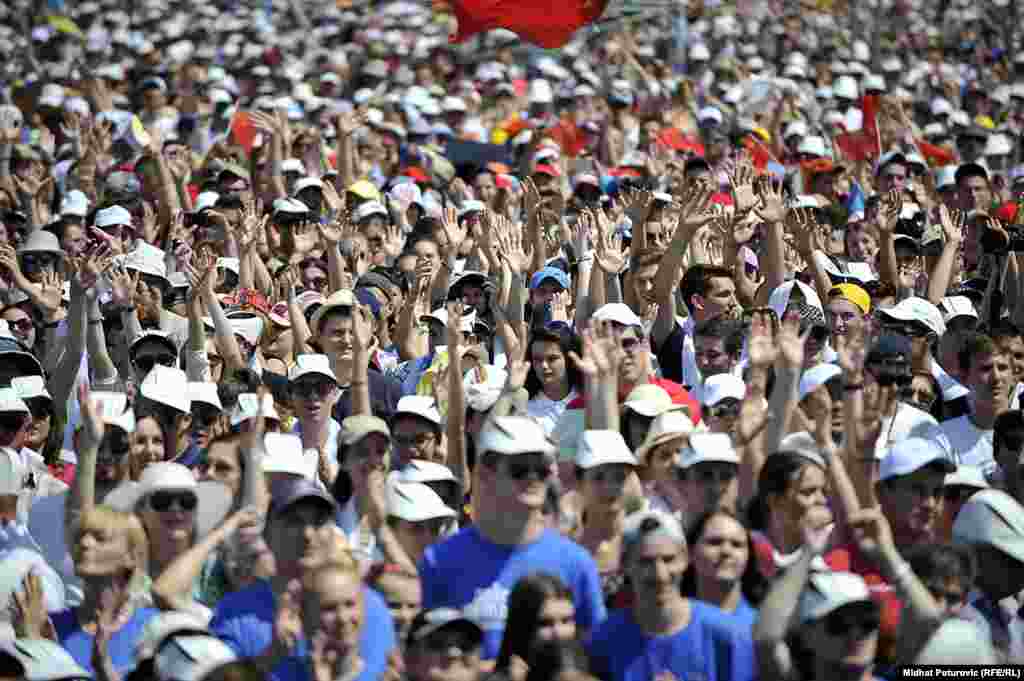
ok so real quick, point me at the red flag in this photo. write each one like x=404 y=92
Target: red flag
x=541 y=22
x=865 y=143
x=243 y=130
x=570 y=138
x=935 y=155
x=759 y=154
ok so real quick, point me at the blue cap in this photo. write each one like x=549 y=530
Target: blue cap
x=560 y=277
x=366 y=298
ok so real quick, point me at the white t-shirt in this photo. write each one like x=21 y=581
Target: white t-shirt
x=910 y=422
x=546 y=411
x=972 y=446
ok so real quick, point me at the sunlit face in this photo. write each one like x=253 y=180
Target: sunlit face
x=950 y=594
x=975 y=193
x=847 y=636
x=74 y=240
x=922 y=393
x=1012 y=347
x=520 y=482
x=369 y=455
x=404 y=596
x=989 y=376
x=415 y=438
x=296 y=537
x=861 y=245
x=335 y=607
x=314 y=397
x=427 y=251
x=722 y=550
x=720 y=300
x=842 y=316
x=545 y=292
x=147 y=443
x=169 y=515
x=711 y=356
x=102 y=552
x=802 y=499
x=21 y=326
x=643 y=284
x=893 y=177
x=548 y=362
x=485 y=187
x=416 y=537
x=336 y=336
x=655 y=568
x=556 y=621
x=633 y=365
x=661 y=460
x=913 y=504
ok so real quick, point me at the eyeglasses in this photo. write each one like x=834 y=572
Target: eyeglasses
x=37 y=260
x=725 y=411
x=146 y=364
x=520 y=471
x=162 y=501
x=311 y=389
x=841 y=622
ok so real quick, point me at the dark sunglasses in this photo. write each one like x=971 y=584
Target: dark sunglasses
x=162 y=501
x=147 y=363
x=520 y=471
x=30 y=260
x=311 y=388
x=725 y=411
x=842 y=621
x=22 y=324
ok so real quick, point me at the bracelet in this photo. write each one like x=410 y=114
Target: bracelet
x=853 y=388
x=900 y=574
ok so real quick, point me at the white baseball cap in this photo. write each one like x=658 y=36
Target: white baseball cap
x=249 y=407
x=957 y=306
x=418 y=405
x=419 y=470
x=307 y=364
x=115 y=215
x=722 y=387
x=826 y=592
x=648 y=400
x=512 y=435
x=618 y=313
x=967 y=476
x=192 y=657
x=920 y=310
x=667 y=426
x=204 y=392
x=284 y=454
x=415 y=502
x=913 y=454
x=708 y=447
x=601 y=447
x=816 y=376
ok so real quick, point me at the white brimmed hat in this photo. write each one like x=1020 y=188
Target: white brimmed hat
x=168 y=386
x=164 y=625
x=419 y=470
x=483 y=386
x=115 y=215
x=415 y=502
x=602 y=447
x=705 y=447
x=667 y=426
x=912 y=454
x=817 y=376
x=648 y=400
x=344 y=298
x=512 y=435
x=148 y=260
x=418 y=405
x=992 y=518
x=355 y=428
x=249 y=406
x=920 y=310
x=957 y=306
x=112 y=409
x=45 y=660
x=826 y=592
x=204 y=392
x=958 y=642
x=967 y=476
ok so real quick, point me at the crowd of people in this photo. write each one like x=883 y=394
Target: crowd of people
x=333 y=350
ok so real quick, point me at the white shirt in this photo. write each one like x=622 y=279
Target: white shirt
x=972 y=446
x=547 y=411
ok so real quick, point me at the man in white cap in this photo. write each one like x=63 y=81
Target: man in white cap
x=476 y=568
x=314 y=390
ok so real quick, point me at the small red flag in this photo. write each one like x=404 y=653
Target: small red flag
x=935 y=155
x=541 y=22
x=759 y=154
x=570 y=138
x=243 y=130
x=864 y=144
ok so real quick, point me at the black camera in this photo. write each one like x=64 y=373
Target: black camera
x=912 y=226
x=995 y=243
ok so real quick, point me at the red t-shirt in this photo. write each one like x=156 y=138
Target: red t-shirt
x=848 y=558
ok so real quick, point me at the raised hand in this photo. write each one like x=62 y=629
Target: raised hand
x=305 y=237
x=288 y=618
x=362 y=327
x=452 y=330
x=453 y=232
x=872 y=533
x=953 y=223
x=852 y=349
x=560 y=307
x=394 y=241
x=123 y=285
x=772 y=202
x=93 y=427
x=29 y=609
x=761 y=347
x=609 y=253
x=150 y=228
x=512 y=250
x=741 y=185
x=330 y=665
x=348 y=123
x=335 y=203
x=804 y=227
x=889 y=210
x=791 y=343
x=601 y=352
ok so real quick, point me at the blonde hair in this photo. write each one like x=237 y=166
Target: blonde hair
x=108 y=520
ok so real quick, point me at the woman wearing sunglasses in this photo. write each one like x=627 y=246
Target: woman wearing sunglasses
x=824 y=625
x=175 y=511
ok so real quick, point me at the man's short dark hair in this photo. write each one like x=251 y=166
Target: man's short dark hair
x=974 y=345
x=697 y=281
x=730 y=331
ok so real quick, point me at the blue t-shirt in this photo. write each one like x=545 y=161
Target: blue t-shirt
x=745 y=614
x=471 y=573
x=122 y=644
x=712 y=647
x=245 y=621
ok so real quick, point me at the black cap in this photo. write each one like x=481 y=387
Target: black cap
x=432 y=621
x=970 y=170
x=286 y=493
